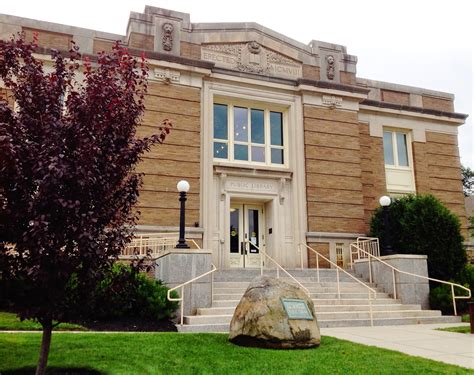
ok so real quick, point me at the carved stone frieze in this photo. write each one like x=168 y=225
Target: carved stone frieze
x=252 y=58
x=167 y=39
x=166 y=75
x=332 y=101
x=331 y=67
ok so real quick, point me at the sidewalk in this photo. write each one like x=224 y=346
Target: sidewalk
x=419 y=340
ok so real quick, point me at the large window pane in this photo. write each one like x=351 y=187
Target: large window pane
x=258 y=154
x=402 y=149
x=241 y=126
x=220 y=121
x=220 y=150
x=241 y=152
x=388 y=148
x=258 y=128
x=234 y=230
x=276 y=128
x=277 y=156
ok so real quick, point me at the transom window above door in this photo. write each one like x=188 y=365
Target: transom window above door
x=248 y=135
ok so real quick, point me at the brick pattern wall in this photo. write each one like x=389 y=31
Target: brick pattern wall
x=439 y=104
x=102 y=46
x=191 y=50
x=333 y=172
x=311 y=72
x=178 y=158
x=141 y=41
x=395 y=97
x=49 y=38
x=437 y=171
x=322 y=248
x=373 y=172
x=348 y=78
x=7 y=96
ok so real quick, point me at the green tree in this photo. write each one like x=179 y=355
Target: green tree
x=421 y=224
x=467 y=180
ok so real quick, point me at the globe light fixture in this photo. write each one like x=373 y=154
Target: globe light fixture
x=385 y=201
x=183 y=188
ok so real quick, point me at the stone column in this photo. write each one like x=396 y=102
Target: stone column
x=410 y=289
x=183 y=265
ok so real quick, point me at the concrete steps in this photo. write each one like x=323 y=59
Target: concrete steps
x=351 y=308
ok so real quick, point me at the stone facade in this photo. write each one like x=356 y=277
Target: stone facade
x=332 y=172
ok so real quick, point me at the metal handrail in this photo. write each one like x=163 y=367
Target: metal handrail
x=279 y=267
x=181 y=299
x=158 y=244
x=339 y=268
x=394 y=269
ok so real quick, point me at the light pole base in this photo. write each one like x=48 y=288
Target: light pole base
x=182 y=245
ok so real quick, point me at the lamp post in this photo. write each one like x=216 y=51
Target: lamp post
x=183 y=188
x=387 y=243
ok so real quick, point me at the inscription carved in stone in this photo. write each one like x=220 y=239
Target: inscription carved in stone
x=252 y=58
x=167 y=39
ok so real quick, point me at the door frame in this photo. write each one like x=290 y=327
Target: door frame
x=245 y=258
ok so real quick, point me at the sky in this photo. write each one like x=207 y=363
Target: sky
x=422 y=43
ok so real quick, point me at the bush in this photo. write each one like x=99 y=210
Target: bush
x=421 y=224
x=127 y=293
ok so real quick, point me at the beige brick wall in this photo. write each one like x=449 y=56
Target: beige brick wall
x=178 y=158
x=333 y=172
x=49 y=38
x=311 y=72
x=348 y=78
x=373 y=172
x=191 y=50
x=322 y=248
x=100 y=45
x=141 y=41
x=437 y=171
x=395 y=97
x=439 y=104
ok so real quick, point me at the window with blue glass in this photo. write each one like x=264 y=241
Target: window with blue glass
x=246 y=134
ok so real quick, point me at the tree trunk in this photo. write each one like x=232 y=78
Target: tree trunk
x=45 y=345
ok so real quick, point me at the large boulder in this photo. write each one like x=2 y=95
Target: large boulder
x=261 y=320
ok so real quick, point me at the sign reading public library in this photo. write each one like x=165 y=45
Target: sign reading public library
x=252 y=58
x=297 y=309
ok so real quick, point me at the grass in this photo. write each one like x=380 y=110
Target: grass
x=10 y=322
x=460 y=329
x=173 y=353
x=466 y=318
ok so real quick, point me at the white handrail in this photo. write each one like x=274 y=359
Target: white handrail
x=263 y=253
x=181 y=299
x=394 y=269
x=370 y=290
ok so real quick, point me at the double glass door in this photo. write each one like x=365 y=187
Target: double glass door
x=246 y=235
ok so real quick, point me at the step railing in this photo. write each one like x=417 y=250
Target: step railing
x=154 y=244
x=181 y=288
x=340 y=269
x=371 y=258
x=264 y=255
x=370 y=245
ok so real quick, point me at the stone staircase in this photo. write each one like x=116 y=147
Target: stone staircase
x=352 y=309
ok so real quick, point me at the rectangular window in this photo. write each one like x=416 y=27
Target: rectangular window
x=248 y=135
x=395 y=149
x=399 y=174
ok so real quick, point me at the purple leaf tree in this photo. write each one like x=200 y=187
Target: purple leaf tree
x=68 y=153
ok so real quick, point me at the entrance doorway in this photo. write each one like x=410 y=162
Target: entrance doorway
x=246 y=224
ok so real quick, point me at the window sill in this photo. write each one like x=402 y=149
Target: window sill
x=242 y=169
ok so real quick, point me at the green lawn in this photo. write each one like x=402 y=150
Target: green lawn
x=9 y=321
x=460 y=329
x=173 y=353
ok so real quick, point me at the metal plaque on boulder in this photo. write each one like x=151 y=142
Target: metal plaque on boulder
x=296 y=309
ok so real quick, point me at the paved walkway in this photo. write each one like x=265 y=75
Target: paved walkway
x=419 y=340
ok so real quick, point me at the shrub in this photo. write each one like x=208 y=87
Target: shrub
x=421 y=224
x=127 y=293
